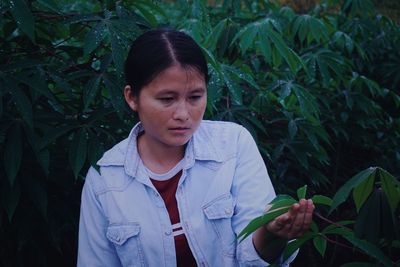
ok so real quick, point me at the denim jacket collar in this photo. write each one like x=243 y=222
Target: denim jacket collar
x=199 y=147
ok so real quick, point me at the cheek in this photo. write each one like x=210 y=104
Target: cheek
x=201 y=108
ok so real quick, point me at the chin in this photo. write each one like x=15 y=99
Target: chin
x=178 y=142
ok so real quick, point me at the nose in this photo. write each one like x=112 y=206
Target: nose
x=181 y=112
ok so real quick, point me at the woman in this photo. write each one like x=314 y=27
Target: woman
x=178 y=190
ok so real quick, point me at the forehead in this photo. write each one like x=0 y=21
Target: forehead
x=177 y=77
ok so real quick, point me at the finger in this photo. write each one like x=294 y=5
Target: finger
x=278 y=223
x=308 y=215
x=291 y=216
x=298 y=221
x=294 y=209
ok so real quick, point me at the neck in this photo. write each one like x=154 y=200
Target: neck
x=158 y=157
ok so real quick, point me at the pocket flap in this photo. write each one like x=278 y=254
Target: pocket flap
x=119 y=233
x=221 y=207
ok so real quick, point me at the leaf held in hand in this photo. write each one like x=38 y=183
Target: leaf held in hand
x=301 y=192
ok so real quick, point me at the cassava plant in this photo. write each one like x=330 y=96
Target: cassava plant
x=318 y=90
x=374 y=231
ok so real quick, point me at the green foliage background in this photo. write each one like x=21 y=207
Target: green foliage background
x=318 y=91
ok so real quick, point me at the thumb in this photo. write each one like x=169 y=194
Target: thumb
x=278 y=223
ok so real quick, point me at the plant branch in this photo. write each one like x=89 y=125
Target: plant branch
x=331 y=222
x=337 y=243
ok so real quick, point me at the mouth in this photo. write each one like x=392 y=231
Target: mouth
x=179 y=130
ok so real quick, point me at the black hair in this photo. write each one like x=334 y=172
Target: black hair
x=158 y=49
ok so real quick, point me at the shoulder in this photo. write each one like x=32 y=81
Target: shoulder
x=220 y=137
x=111 y=172
x=115 y=156
x=222 y=131
x=219 y=126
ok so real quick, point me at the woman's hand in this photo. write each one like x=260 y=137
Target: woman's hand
x=295 y=222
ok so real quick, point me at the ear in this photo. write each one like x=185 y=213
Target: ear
x=130 y=99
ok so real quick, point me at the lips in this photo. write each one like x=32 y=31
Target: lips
x=179 y=130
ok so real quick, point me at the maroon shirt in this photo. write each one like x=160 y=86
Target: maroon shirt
x=167 y=190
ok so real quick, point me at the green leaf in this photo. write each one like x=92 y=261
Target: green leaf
x=389 y=228
x=37 y=194
x=279 y=202
x=320 y=244
x=299 y=27
x=1 y=105
x=91 y=89
x=291 y=58
x=314 y=227
x=146 y=14
x=22 y=102
x=368 y=223
x=301 y=192
x=10 y=196
x=13 y=153
x=342 y=194
x=51 y=5
x=83 y=18
x=240 y=74
x=338 y=229
x=362 y=191
x=53 y=134
x=215 y=34
x=211 y=60
x=296 y=244
x=233 y=87
x=265 y=45
x=292 y=129
x=308 y=104
x=247 y=37
x=390 y=188
x=77 y=151
x=23 y=16
x=94 y=38
x=95 y=149
x=117 y=50
x=36 y=81
x=359 y=264
x=370 y=250
x=278 y=206
x=323 y=200
x=22 y=64
x=44 y=160
x=281 y=197
x=260 y=221
x=62 y=84
x=115 y=92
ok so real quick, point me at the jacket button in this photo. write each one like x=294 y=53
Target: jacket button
x=227 y=211
x=168 y=232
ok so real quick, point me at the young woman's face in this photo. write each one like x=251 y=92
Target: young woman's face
x=171 y=106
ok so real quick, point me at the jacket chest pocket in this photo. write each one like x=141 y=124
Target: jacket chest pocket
x=219 y=212
x=125 y=238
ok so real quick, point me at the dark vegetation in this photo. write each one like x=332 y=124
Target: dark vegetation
x=319 y=91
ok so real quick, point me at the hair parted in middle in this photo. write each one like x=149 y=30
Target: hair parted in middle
x=156 y=50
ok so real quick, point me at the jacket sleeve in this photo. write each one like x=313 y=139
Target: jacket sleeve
x=94 y=249
x=253 y=190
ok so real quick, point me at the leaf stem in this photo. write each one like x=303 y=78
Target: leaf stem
x=331 y=222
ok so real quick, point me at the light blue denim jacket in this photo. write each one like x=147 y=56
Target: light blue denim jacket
x=223 y=186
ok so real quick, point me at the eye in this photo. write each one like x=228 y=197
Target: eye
x=166 y=99
x=195 y=97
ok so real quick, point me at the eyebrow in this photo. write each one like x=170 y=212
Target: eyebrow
x=198 y=90
x=170 y=91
